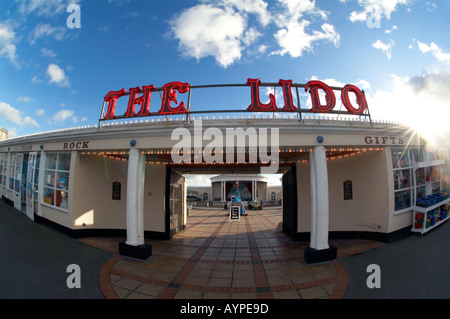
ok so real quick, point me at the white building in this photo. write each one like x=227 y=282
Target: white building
x=251 y=187
x=3 y=134
x=341 y=178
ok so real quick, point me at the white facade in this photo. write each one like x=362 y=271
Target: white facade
x=356 y=179
x=3 y=134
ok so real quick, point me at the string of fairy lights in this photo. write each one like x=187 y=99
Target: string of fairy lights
x=157 y=156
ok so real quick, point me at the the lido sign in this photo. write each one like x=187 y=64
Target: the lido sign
x=170 y=105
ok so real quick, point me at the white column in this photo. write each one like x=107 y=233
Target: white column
x=184 y=202
x=222 y=191
x=319 y=198
x=253 y=190
x=41 y=181
x=135 y=198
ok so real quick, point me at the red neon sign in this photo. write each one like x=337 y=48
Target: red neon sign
x=170 y=96
x=313 y=87
x=256 y=105
x=360 y=99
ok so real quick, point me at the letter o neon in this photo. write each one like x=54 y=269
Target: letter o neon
x=360 y=99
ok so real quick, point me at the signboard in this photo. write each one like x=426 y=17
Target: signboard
x=116 y=190
x=170 y=106
x=348 y=190
x=235 y=213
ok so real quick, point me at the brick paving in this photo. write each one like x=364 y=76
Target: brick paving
x=215 y=258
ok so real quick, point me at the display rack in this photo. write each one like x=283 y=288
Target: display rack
x=429 y=218
x=435 y=205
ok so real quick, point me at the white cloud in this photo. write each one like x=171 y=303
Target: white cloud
x=294 y=40
x=250 y=36
x=262 y=48
x=15 y=116
x=24 y=99
x=205 y=30
x=12 y=132
x=358 y=16
x=45 y=7
x=431 y=7
x=198 y=180
x=63 y=115
x=363 y=84
x=256 y=7
x=435 y=50
x=7 y=44
x=45 y=29
x=292 y=37
x=223 y=29
x=385 y=47
x=377 y=9
x=296 y=9
x=40 y=112
x=394 y=27
x=57 y=75
x=48 y=53
x=36 y=79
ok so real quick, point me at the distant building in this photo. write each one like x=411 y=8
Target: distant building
x=223 y=188
x=3 y=134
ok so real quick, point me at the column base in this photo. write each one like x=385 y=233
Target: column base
x=139 y=252
x=316 y=256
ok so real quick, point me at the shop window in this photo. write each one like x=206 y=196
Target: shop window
x=15 y=172
x=403 y=184
x=56 y=180
x=412 y=181
x=348 y=190
x=421 y=174
x=435 y=176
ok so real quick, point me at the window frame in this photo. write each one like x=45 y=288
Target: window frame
x=56 y=173
x=397 y=166
x=421 y=164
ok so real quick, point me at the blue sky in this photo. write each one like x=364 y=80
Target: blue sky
x=53 y=76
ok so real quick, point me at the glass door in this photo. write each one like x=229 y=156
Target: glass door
x=17 y=177
x=30 y=185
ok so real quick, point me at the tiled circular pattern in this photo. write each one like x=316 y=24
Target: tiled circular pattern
x=216 y=258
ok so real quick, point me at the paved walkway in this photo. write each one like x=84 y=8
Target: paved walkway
x=215 y=258
x=34 y=260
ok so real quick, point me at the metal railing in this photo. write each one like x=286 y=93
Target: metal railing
x=299 y=112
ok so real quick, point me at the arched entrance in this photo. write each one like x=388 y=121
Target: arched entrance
x=224 y=190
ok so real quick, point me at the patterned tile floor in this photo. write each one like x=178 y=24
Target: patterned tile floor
x=216 y=258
